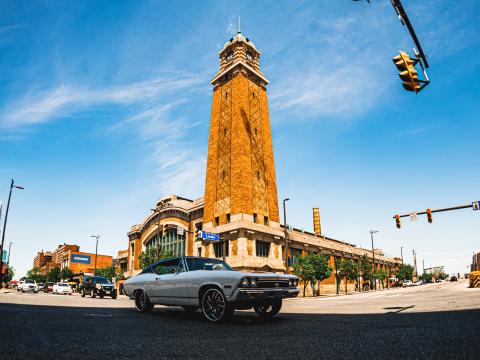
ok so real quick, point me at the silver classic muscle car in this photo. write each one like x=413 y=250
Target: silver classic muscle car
x=211 y=285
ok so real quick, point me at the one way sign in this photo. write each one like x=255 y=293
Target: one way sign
x=476 y=205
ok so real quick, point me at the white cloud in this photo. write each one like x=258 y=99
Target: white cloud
x=39 y=107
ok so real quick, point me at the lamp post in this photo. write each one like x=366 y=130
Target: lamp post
x=287 y=270
x=401 y=253
x=373 y=256
x=8 y=260
x=12 y=185
x=96 y=252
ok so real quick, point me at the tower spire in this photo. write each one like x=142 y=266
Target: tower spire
x=238 y=32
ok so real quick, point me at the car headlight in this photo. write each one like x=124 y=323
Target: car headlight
x=245 y=282
x=291 y=283
x=98 y=286
x=253 y=282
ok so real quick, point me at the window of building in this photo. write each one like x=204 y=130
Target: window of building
x=265 y=220
x=217 y=220
x=230 y=56
x=295 y=254
x=254 y=218
x=249 y=56
x=199 y=226
x=262 y=248
x=228 y=218
x=218 y=248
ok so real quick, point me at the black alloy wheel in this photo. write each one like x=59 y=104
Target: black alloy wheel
x=142 y=302
x=268 y=310
x=215 y=307
x=92 y=293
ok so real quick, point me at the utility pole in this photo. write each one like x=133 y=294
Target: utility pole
x=12 y=185
x=8 y=260
x=287 y=270
x=414 y=263
x=373 y=256
x=423 y=266
x=401 y=253
x=96 y=252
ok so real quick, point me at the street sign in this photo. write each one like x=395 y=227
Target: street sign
x=476 y=205
x=413 y=217
x=210 y=236
x=4 y=257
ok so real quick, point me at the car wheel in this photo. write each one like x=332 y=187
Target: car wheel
x=92 y=293
x=214 y=306
x=190 y=309
x=114 y=295
x=142 y=302
x=83 y=292
x=101 y=295
x=268 y=310
x=23 y=291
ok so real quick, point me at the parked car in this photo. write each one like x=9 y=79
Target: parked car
x=418 y=283
x=62 y=288
x=211 y=285
x=407 y=283
x=48 y=287
x=19 y=285
x=453 y=278
x=30 y=285
x=40 y=286
x=98 y=286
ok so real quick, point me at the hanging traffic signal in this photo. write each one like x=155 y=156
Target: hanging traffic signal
x=408 y=74
x=429 y=216
x=397 y=220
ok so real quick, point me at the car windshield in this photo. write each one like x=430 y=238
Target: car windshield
x=195 y=264
x=101 y=280
x=29 y=282
x=62 y=284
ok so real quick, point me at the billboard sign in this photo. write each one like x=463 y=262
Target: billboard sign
x=82 y=259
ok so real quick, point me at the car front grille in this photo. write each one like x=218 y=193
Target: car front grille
x=272 y=283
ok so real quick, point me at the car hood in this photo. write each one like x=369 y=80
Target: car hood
x=268 y=275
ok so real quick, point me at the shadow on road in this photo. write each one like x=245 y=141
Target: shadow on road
x=74 y=332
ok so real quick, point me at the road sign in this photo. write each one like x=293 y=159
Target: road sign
x=413 y=217
x=476 y=205
x=4 y=257
x=210 y=236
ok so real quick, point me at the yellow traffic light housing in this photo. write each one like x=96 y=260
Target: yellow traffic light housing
x=408 y=74
x=397 y=220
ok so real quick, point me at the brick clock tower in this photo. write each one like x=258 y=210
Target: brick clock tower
x=241 y=201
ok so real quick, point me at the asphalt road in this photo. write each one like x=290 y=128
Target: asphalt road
x=427 y=322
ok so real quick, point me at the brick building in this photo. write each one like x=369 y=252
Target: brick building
x=240 y=201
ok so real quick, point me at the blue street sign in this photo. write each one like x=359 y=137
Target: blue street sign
x=210 y=236
x=4 y=257
x=476 y=205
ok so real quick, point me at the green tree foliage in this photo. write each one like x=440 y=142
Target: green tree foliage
x=120 y=276
x=405 y=272
x=312 y=268
x=53 y=275
x=366 y=268
x=381 y=275
x=10 y=272
x=108 y=272
x=349 y=270
x=427 y=277
x=149 y=256
x=35 y=274
x=66 y=274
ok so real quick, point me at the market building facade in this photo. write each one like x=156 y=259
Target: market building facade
x=240 y=201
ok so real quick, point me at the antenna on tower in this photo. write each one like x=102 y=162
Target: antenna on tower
x=238 y=25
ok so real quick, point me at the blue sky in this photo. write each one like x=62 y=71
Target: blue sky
x=105 y=106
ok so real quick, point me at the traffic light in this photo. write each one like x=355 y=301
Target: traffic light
x=408 y=74
x=198 y=235
x=397 y=220
x=429 y=216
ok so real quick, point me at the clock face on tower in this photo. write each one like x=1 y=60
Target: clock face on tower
x=230 y=56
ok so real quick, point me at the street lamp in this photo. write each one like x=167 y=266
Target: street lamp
x=373 y=256
x=96 y=252
x=12 y=185
x=287 y=270
x=401 y=253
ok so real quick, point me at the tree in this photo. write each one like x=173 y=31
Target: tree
x=349 y=270
x=10 y=272
x=53 y=275
x=322 y=269
x=35 y=274
x=149 y=256
x=381 y=275
x=305 y=270
x=427 y=277
x=366 y=268
x=405 y=272
x=108 y=272
x=66 y=274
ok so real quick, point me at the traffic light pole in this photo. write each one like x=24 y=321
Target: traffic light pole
x=440 y=210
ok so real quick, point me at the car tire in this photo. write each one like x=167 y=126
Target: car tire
x=102 y=295
x=190 y=309
x=268 y=310
x=92 y=294
x=114 y=295
x=83 y=292
x=214 y=305
x=142 y=302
